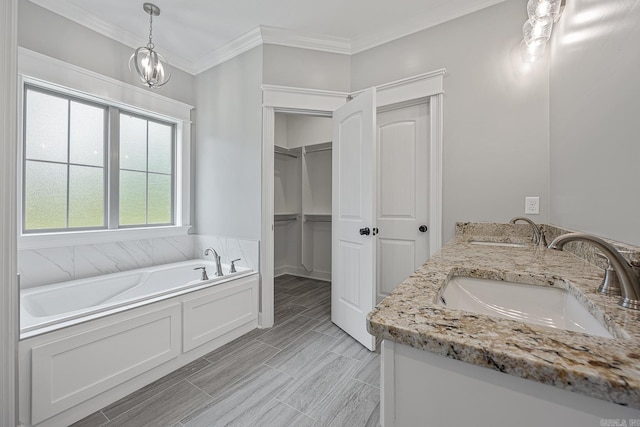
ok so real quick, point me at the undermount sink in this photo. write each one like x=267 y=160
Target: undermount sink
x=502 y=244
x=539 y=305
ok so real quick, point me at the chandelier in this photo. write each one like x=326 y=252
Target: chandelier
x=150 y=67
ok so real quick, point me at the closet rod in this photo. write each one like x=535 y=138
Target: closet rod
x=317 y=220
x=286 y=220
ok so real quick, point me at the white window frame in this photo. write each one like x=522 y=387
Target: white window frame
x=45 y=72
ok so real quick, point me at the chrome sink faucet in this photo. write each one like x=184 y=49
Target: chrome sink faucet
x=628 y=275
x=538 y=235
x=216 y=257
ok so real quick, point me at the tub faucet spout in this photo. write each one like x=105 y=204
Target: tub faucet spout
x=628 y=274
x=216 y=257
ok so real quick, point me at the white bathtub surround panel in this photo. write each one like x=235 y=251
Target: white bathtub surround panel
x=172 y=249
x=60 y=264
x=230 y=248
x=43 y=266
x=56 y=383
x=105 y=258
x=74 y=369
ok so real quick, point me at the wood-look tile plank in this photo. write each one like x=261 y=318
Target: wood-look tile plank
x=301 y=289
x=222 y=374
x=369 y=373
x=296 y=286
x=282 y=298
x=277 y=414
x=281 y=280
x=319 y=384
x=96 y=419
x=303 y=353
x=165 y=408
x=347 y=346
x=285 y=312
x=234 y=345
x=282 y=335
x=314 y=297
x=327 y=327
x=240 y=403
x=321 y=311
x=123 y=405
x=355 y=405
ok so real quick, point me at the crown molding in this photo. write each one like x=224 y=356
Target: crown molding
x=120 y=35
x=324 y=43
x=416 y=24
x=267 y=35
x=235 y=47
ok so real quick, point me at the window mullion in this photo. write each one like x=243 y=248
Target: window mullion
x=147 y=177
x=68 y=158
x=113 y=199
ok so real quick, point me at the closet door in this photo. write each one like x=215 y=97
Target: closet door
x=353 y=201
x=402 y=214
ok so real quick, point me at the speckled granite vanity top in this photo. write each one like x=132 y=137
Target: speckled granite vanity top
x=607 y=369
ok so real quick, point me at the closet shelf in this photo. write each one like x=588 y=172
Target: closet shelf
x=324 y=146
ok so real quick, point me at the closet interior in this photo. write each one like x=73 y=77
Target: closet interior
x=302 y=183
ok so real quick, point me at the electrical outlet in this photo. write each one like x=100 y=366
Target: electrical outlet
x=532 y=205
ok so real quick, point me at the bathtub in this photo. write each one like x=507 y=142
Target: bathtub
x=64 y=304
x=87 y=343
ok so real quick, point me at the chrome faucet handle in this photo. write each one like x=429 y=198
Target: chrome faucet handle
x=610 y=284
x=635 y=261
x=542 y=240
x=233 y=266
x=204 y=273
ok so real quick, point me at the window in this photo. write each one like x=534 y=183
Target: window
x=146 y=171
x=79 y=173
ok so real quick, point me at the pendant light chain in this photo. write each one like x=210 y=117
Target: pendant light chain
x=150 y=45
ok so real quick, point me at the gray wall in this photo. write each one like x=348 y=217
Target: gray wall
x=595 y=119
x=495 y=110
x=50 y=34
x=289 y=66
x=229 y=147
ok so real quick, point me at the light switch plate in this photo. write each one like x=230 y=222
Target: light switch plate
x=532 y=205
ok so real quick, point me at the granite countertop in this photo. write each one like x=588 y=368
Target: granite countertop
x=603 y=368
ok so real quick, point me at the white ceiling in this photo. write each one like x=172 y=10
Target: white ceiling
x=195 y=35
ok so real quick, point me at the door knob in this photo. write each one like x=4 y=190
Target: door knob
x=423 y=228
x=365 y=231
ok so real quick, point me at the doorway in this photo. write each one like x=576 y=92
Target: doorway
x=424 y=88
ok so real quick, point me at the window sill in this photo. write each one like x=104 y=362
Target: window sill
x=74 y=238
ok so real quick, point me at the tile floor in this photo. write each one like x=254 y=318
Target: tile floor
x=305 y=371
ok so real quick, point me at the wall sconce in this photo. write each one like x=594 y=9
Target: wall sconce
x=150 y=67
x=537 y=30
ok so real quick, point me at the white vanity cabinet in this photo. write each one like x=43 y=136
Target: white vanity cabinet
x=422 y=388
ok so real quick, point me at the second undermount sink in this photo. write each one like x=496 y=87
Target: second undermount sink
x=499 y=244
x=539 y=305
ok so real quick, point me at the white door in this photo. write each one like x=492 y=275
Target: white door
x=353 y=202
x=402 y=216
